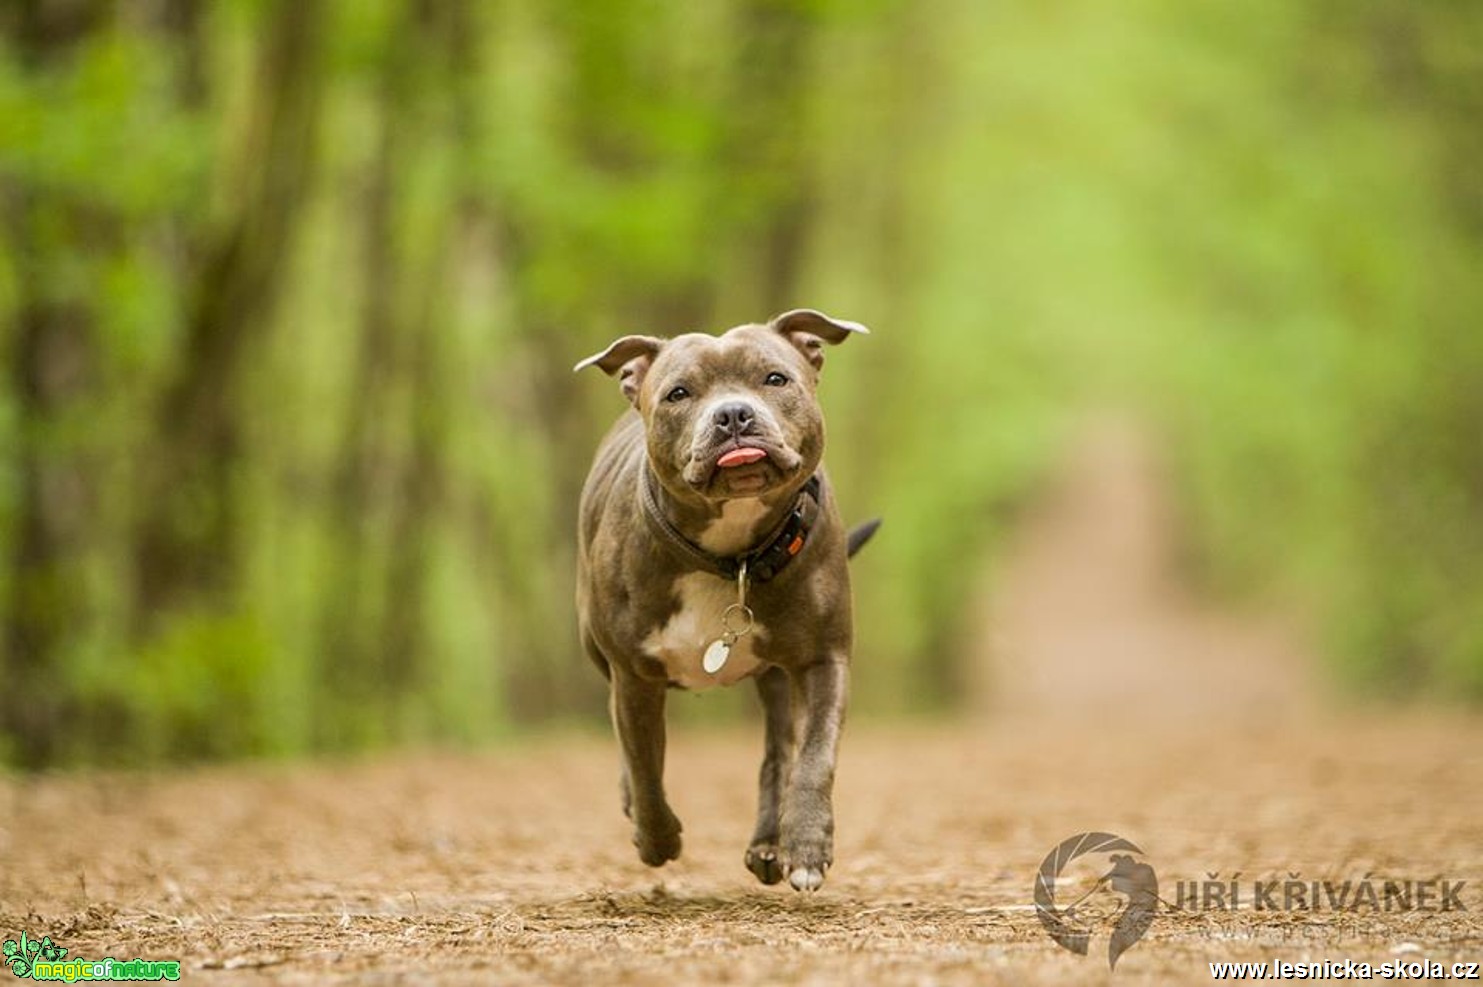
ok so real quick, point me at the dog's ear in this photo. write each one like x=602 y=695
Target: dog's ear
x=810 y=330
x=628 y=358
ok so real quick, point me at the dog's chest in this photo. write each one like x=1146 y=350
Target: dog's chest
x=681 y=641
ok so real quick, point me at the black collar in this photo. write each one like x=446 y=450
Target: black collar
x=763 y=563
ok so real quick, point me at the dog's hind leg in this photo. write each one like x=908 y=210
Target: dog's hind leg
x=763 y=858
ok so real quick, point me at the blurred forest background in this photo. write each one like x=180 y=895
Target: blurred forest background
x=290 y=291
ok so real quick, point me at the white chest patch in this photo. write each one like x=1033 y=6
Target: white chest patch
x=682 y=641
x=736 y=529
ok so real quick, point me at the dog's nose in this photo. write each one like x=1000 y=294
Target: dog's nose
x=733 y=418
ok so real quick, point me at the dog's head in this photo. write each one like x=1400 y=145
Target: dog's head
x=732 y=415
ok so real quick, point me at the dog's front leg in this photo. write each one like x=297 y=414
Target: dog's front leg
x=763 y=858
x=819 y=693
x=638 y=718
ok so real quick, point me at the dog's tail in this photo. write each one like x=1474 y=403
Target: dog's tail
x=861 y=534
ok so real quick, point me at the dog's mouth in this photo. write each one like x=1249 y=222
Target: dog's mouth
x=741 y=468
x=740 y=456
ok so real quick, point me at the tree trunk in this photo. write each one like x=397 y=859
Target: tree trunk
x=770 y=141
x=50 y=371
x=186 y=544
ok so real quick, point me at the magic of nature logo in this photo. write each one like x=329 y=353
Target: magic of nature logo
x=42 y=959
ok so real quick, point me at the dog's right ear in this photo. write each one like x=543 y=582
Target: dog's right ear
x=628 y=358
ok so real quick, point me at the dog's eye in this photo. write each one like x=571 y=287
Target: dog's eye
x=677 y=395
x=776 y=379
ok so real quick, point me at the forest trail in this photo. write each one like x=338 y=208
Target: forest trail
x=1110 y=699
x=1090 y=619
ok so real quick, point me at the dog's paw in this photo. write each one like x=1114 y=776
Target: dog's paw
x=807 y=863
x=806 y=878
x=658 y=843
x=765 y=860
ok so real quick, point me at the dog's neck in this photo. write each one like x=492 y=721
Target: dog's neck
x=743 y=521
x=719 y=534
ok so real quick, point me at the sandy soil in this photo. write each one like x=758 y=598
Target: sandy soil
x=1109 y=701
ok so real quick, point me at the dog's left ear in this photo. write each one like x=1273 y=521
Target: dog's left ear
x=810 y=330
x=629 y=358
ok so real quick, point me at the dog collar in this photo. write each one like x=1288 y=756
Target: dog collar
x=762 y=564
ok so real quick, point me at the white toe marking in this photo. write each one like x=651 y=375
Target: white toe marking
x=806 y=879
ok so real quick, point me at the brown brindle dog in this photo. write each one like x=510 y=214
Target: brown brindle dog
x=711 y=551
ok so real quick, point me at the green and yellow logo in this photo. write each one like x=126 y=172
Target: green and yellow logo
x=44 y=960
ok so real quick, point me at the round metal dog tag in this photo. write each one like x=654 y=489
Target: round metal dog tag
x=715 y=656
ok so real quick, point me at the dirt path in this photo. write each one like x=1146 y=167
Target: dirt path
x=1091 y=622
x=1118 y=704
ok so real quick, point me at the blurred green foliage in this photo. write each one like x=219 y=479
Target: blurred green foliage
x=290 y=290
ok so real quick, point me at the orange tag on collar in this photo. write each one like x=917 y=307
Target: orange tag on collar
x=796 y=545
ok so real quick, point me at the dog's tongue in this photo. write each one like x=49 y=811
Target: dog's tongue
x=740 y=457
